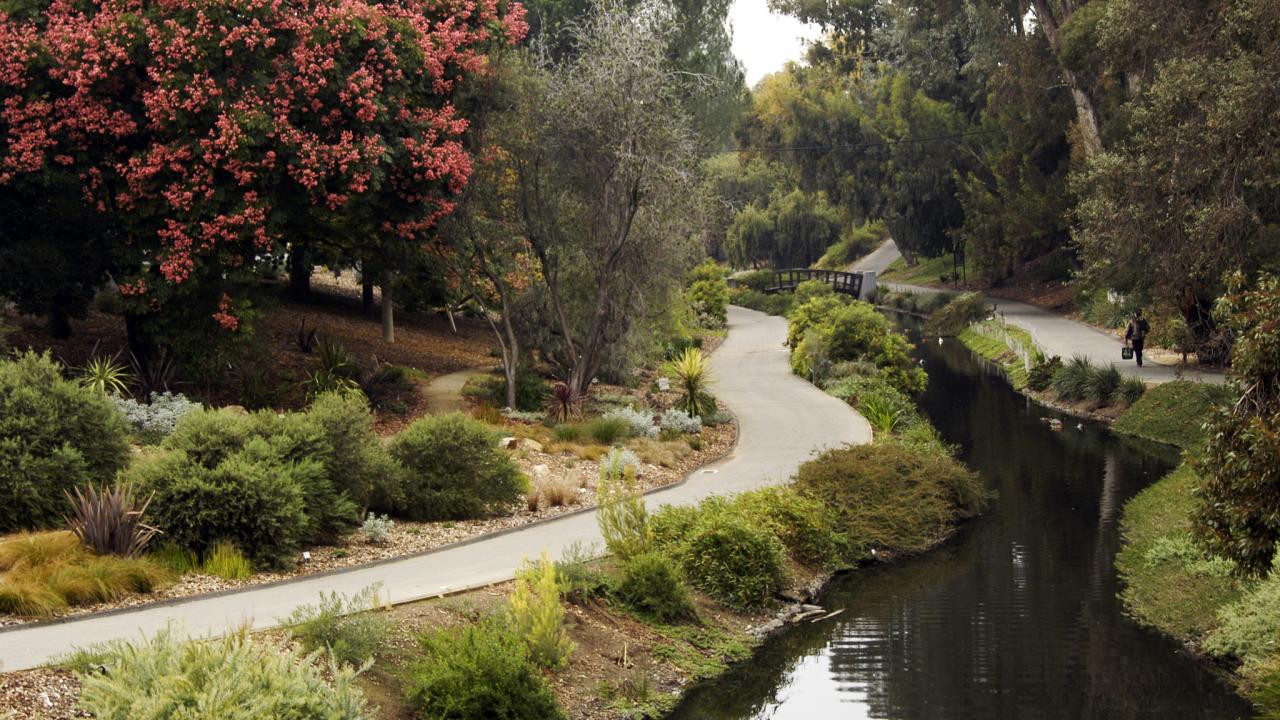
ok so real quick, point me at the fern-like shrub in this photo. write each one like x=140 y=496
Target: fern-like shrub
x=479 y=672
x=454 y=470
x=232 y=678
x=55 y=435
x=537 y=616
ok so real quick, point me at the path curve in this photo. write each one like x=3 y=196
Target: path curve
x=443 y=394
x=1056 y=334
x=782 y=421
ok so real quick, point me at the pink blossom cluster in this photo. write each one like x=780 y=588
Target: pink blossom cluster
x=194 y=121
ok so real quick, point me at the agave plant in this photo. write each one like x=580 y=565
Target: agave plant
x=154 y=372
x=106 y=376
x=692 y=375
x=563 y=405
x=109 y=520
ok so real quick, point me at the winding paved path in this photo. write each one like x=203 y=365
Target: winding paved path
x=782 y=420
x=1056 y=334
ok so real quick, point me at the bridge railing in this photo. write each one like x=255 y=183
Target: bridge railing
x=846 y=283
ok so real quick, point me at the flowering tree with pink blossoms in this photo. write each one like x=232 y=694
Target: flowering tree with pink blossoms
x=210 y=132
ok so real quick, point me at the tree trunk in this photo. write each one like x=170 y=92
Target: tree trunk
x=453 y=325
x=366 y=294
x=1086 y=115
x=388 y=309
x=299 y=274
x=59 y=323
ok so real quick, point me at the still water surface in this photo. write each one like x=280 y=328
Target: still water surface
x=1016 y=618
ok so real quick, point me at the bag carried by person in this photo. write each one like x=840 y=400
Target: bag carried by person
x=1126 y=352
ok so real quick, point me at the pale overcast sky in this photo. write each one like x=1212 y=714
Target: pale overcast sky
x=763 y=41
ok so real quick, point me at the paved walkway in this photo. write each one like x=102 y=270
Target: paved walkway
x=1055 y=334
x=444 y=394
x=782 y=420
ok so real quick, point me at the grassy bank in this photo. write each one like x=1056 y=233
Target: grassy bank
x=1173 y=413
x=986 y=340
x=926 y=271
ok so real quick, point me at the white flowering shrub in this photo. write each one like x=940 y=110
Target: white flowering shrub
x=377 y=529
x=615 y=464
x=157 y=419
x=639 y=422
x=679 y=421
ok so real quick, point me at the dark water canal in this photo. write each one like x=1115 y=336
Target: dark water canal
x=1017 y=618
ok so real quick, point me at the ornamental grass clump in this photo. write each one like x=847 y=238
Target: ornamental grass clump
x=1071 y=381
x=231 y=678
x=537 y=616
x=47 y=572
x=1104 y=384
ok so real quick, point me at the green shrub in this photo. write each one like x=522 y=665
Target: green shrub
x=889 y=496
x=537 y=616
x=621 y=513
x=350 y=629
x=854 y=243
x=733 y=561
x=479 y=672
x=570 y=432
x=227 y=562
x=671 y=524
x=1104 y=383
x=1042 y=373
x=55 y=435
x=804 y=525
x=251 y=497
x=812 y=314
x=757 y=280
x=232 y=678
x=810 y=289
x=853 y=331
x=1071 y=382
x=294 y=441
x=354 y=459
x=651 y=585
x=959 y=312
x=709 y=299
x=778 y=304
x=454 y=470
x=531 y=390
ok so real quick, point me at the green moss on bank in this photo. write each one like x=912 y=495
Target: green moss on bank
x=1173 y=413
x=1169 y=583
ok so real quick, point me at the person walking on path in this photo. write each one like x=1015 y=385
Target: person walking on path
x=1136 y=334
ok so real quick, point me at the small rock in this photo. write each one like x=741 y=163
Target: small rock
x=530 y=445
x=509 y=443
x=235 y=410
x=664 y=384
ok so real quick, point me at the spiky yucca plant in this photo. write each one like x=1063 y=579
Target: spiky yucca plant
x=563 y=405
x=692 y=375
x=109 y=520
x=106 y=376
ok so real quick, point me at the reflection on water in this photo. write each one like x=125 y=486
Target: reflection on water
x=1017 y=618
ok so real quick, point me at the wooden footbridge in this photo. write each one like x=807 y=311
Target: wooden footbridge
x=845 y=283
